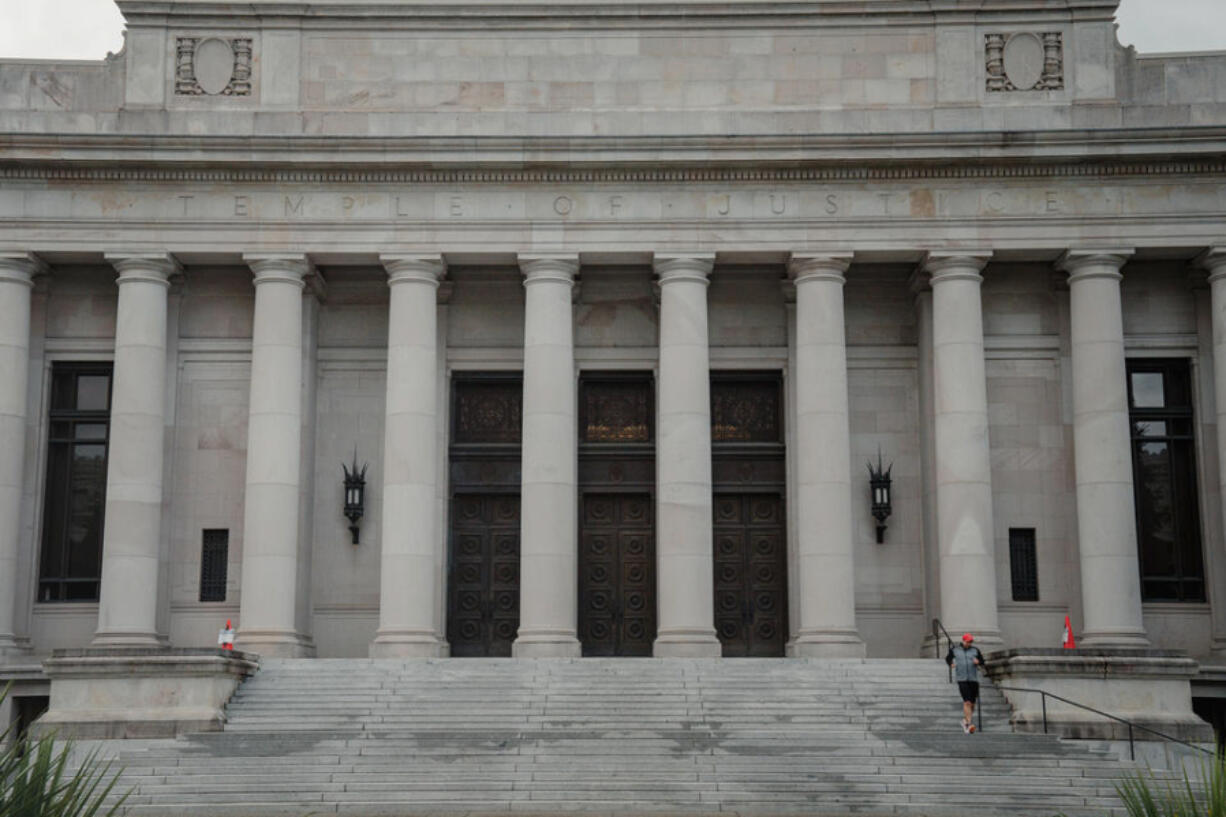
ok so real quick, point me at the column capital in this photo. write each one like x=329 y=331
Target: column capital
x=17 y=267
x=560 y=268
x=695 y=266
x=831 y=266
x=418 y=269
x=1094 y=263
x=952 y=265
x=1213 y=261
x=147 y=267
x=920 y=281
x=282 y=267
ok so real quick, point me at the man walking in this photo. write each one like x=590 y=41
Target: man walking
x=966 y=659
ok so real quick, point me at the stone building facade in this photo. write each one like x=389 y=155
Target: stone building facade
x=614 y=302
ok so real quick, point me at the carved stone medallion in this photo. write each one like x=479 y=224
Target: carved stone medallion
x=1023 y=58
x=213 y=66
x=1024 y=61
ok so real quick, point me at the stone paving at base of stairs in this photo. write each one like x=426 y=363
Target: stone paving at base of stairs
x=692 y=737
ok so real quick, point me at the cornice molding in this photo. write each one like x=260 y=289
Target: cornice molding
x=603 y=14
x=803 y=157
x=663 y=173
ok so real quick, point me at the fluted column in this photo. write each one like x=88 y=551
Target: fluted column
x=1102 y=447
x=410 y=541
x=965 y=531
x=274 y=430
x=683 y=462
x=17 y=270
x=549 y=558
x=131 y=541
x=825 y=554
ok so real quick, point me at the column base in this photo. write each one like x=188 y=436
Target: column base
x=986 y=640
x=13 y=647
x=1113 y=639
x=122 y=640
x=407 y=644
x=827 y=644
x=275 y=643
x=546 y=644
x=687 y=644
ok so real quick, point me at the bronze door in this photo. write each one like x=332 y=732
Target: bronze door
x=617 y=574
x=483 y=580
x=750 y=574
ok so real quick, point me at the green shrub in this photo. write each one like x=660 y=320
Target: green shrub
x=37 y=780
x=1143 y=795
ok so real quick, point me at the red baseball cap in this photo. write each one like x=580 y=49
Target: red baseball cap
x=968 y=637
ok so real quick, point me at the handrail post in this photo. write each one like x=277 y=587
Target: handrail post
x=1043 y=698
x=1132 y=752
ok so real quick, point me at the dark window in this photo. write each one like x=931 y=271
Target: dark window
x=745 y=408
x=615 y=409
x=488 y=409
x=26 y=710
x=1023 y=564
x=75 y=498
x=214 y=563
x=1164 y=476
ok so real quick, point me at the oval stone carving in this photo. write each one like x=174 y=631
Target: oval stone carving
x=214 y=65
x=1024 y=61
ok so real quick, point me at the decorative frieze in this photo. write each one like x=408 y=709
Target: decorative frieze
x=819 y=172
x=1024 y=61
x=213 y=66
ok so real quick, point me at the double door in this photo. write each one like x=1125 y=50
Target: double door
x=750 y=574
x=617 y=574
x=483 y=582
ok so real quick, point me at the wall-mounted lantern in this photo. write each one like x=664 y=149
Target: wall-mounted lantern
x=879 y=494
x=355 y=494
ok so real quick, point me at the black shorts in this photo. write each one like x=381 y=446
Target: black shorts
x=969 y=690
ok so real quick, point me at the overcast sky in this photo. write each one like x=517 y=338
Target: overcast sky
x=87 y=29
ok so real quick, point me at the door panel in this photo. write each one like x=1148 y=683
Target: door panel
x=750 y=574
x=617 y=584
x=483 y=581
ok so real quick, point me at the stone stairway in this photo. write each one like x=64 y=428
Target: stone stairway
x=615 y=736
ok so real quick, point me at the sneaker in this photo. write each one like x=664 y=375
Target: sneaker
x=970 y=729
x=966 y=728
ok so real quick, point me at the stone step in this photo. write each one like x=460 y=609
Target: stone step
x=616 y=737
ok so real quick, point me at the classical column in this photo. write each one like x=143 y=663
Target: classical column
x=825 y=554
x=1102 y=449
x=1213 y=261
x=132 y=536
x=17 y=270
x=274 y=432
x=549 y=562
x=683 y=462
x=410 y=539
x=965 y=532
x=922 y=289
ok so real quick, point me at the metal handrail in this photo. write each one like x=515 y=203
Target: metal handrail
x=1132 y=752
x=949 y=645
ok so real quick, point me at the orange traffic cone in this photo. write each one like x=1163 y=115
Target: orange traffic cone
x=1069 y=642
x=225 y=639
